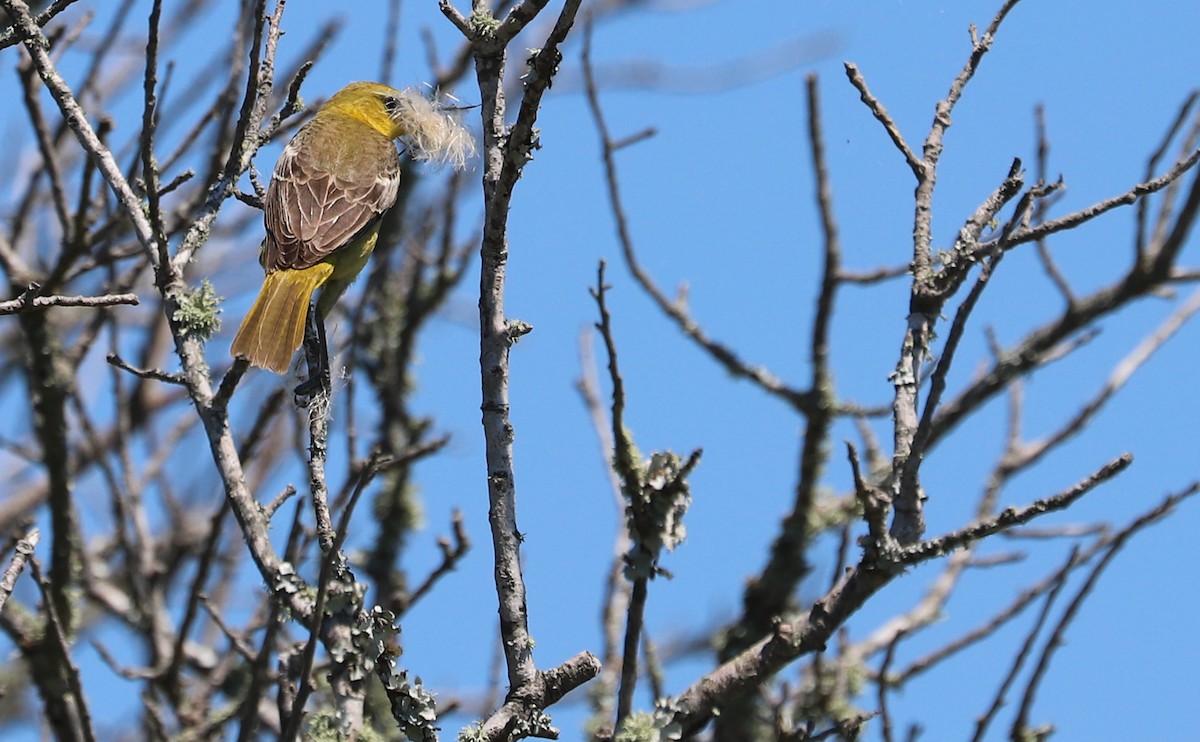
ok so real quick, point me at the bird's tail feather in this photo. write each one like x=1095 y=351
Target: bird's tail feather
x=274 y=327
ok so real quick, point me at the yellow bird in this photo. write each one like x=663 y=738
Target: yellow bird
x=332 y=185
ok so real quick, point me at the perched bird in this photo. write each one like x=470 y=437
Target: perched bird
x=330 y=189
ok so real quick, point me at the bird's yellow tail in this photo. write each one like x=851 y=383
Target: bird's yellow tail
x=274 y=327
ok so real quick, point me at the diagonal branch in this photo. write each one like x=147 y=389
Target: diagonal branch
x=1055 y=640
x=676 y=310
x=880 y=113
x=693 y=708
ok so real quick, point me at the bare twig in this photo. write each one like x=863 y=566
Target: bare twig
x=1041 y=207
x=1055 y=640
x=30 y=300
x=1014 y=516
x=145 y=373
x=452 y=553
x=883 y=685
x=880 y=113
x=1145 y=238
x=1075 y=218
x=1056 y=586
x=676 y=311
x=21 y=554
x=811 y=632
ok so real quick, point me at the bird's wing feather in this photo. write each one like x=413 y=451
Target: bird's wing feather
x=327 y=187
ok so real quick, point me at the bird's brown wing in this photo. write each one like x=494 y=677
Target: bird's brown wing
x=328 y=185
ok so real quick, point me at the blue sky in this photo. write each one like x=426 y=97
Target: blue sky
x=721 y=199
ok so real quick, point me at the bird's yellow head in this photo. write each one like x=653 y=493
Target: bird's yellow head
x=430 y=130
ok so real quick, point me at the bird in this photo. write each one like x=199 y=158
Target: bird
x=331 y=186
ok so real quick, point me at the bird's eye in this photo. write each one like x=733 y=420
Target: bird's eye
x=392 y=104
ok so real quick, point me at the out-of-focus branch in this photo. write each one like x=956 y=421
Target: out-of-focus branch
x=30 y=300
x=770 y=594
x=705 y=79
x=452 y=553
x=1145 y=234
x=80 y=722
x=1056 y=586
x=11 y=36
x=36 y=44
x=21 y=554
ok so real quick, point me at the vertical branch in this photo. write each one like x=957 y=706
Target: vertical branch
x=505 y=153
x=149 y=124
x=45 y=142
x=635 y=618
x=926 y=301
x=1144 y=237
x=771 y=593
x=318 y=448
x=56 y=636
x=49 y=383
x=656 y=497
x=616 y=587
x=625 y=466
x=494 y=343
x=391 y=30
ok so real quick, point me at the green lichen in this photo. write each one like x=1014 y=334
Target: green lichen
x=199 y=311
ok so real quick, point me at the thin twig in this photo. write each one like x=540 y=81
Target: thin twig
x=24 y=303
x=1022 y=654
x=145 y=373
x=1074 y=219
x=451 y=555
x=1143 y=238
x=21 y=554
x=1055 y=640
x=675 y=311
x=627 y=469
x=883 y=684
x=616 y=587
x=812 y=632
x=1042 y=206
x=883 y=117
x=1014 y=516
